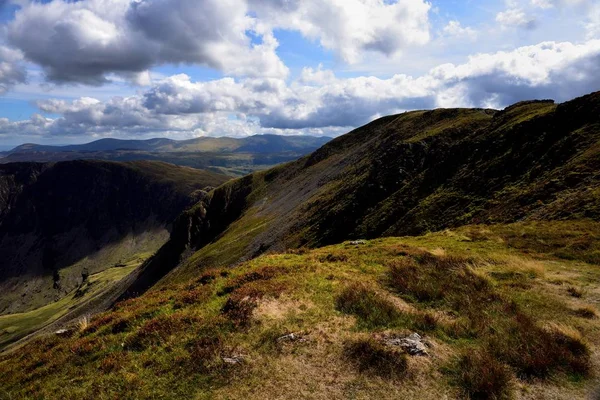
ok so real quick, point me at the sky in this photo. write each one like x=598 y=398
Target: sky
x=75 y=71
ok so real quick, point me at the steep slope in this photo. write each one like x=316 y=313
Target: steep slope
x=61 y=223
x=404 y=174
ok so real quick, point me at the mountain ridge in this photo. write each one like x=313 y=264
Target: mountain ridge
x=234 y=157
x=202 y=144
x=404 y=174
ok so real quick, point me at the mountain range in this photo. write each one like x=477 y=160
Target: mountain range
x=227 y=155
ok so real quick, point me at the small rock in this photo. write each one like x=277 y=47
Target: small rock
x=233 y=360
x=358 y=242
x=413 y=344
x=292 y=337
x=63 y=332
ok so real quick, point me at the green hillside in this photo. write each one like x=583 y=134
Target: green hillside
x=404 y=175
x=501 y=311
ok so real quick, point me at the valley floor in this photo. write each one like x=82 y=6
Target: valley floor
x=505 y=311
x=14 y=327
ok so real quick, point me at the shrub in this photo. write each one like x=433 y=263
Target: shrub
x=239 y=309
x=440 y=279
x=510 y=336
x=158 y=330
x=372 y=309
x=85 y=346
x=119 y=326
x=425 y=321
x=481 y=377
x=112 y=362
x=375 y=358
x=205 y=349
x=188 y=297
x=207 y=278
x=333 y=258
x=100 y=322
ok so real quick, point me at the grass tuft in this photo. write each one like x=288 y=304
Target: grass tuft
x=575 y=292
x=372 y=309
x=263 y=274
x=373 y=357
x=481 y=377
x=157 y=331
x=587 y=312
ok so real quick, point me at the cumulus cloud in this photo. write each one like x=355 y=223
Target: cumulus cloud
x=318 y=102
x=525 y=15
x=11 y=69
x=455 y=29
x=347 y=26
x=87 y=40
x=593 y=24
x=516 y=17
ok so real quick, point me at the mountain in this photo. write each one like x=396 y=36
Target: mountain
x=450 y=253
x=256 y=143
x=236 y=157
x=61 y=223
x=405 y=174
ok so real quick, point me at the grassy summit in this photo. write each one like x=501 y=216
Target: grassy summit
x=495 y=305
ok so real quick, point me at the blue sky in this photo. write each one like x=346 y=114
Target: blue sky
x=72 y=72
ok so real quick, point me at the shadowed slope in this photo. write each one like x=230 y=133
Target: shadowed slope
x=62 y=222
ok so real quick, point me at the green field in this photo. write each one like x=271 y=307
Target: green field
x=16 y=326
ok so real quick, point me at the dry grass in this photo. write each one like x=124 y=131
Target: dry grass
x=83 y=323
x=587 y=312
x=509 y=335
x=575 y=292
x=481 y=377
x=373 y=357
x=489 y=340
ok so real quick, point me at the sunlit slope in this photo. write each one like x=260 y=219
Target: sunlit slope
x=504 y=311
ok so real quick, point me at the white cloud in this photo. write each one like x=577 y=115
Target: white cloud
x=455 y=29
x=12 y=71
x=593 y=24
x=87 y=40
x=516 y=17
x=351 y=27
x=320 y=102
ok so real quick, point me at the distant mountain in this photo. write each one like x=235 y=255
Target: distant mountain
x=254 y=144
x=235 y=157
